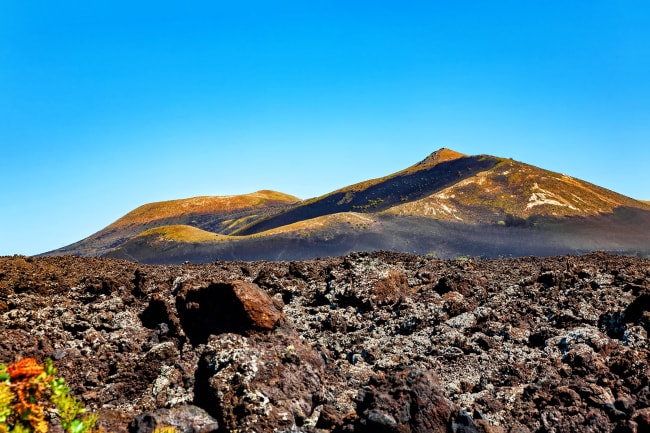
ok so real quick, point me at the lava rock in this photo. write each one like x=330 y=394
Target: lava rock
x=235 y=306
x=343 y=344
x=407 y=400
x=260 y=383
x=184 y=419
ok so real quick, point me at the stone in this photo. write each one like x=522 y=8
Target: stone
x=343 y=344
x=235 y=306
x=390 y=290
x=406 y=401
x=642 y=419
x=260 y=383
x=184 y=419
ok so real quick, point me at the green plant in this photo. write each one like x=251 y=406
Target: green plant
x=32 y=396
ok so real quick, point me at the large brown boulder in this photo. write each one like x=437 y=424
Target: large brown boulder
x=236 y=306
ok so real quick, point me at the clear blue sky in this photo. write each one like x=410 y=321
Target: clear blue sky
x=107 y=105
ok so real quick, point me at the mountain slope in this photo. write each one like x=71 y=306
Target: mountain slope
x=449 y=204
x=195 y=206
x=218 y=214
x=513 y=190
x=622 y=232
x=440 y=170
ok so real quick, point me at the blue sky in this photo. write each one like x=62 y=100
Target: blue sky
x=107 y=105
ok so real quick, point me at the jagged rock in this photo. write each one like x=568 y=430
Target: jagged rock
x=520 y=345
x=639 y=311
x=465 y=423
x=404 y=401
x=184 y=419
x=390 y=290
x=260 y=383
x=236 y=306
x=160 y=315
x=642 y=419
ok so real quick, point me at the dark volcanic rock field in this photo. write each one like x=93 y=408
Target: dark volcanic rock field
x=378 y=342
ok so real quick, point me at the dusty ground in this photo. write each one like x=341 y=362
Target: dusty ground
x=378 y=342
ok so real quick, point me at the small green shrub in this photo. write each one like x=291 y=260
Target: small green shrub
x=32 y=396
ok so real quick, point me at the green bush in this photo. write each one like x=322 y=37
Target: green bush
x=32 y=397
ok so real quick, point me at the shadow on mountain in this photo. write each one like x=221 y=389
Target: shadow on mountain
x=447 y=205
x=382 y=195
x=623 y=232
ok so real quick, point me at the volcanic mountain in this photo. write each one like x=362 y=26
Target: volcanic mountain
x=219 y=214
x=447 y=205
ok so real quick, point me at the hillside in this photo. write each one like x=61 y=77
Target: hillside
x=196 y=206
x=440 y=170
x=217 y=214
x=513 y=189
x=447 y=205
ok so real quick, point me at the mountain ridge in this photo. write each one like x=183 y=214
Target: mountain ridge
x=203 y=212
x=379 y=194
x=200 y=204
x=502 y=190
x=411 y=210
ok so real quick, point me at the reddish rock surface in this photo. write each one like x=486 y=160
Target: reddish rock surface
x=366 y=342
x=219 y=307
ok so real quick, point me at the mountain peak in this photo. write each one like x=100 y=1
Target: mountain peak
x=441 y=155
x=448 y=204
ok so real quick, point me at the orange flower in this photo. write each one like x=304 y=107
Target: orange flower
x=34 y=414
x=25 y=368
x=28 y=391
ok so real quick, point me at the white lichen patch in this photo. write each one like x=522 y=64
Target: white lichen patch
x=436 y=206
x=578 y=198
x=165 y=390
x=541 y=197
x=258 y=400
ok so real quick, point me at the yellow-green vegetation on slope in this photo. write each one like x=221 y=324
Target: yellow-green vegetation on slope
x=353 y=219
x=183 y=233
x=189 y=234
x=519 y=190
x=239 y=222
x=201 y=205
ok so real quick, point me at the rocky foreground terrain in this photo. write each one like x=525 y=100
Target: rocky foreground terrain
x=378 y=342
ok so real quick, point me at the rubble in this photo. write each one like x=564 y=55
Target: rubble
x=366 y=342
